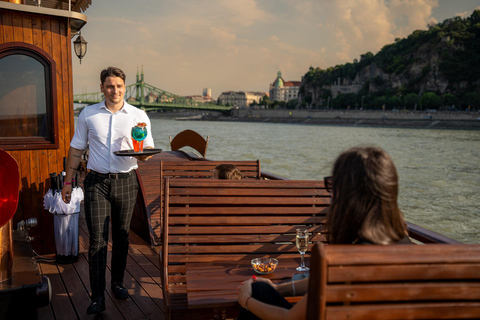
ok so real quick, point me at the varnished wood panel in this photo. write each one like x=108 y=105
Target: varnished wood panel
x=51 y=34
x=394 y=282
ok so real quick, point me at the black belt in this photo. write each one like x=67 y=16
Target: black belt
x=113 y=176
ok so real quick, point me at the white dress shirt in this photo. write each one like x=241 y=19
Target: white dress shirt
x=105 y=132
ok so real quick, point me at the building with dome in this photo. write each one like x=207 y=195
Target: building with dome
x=281 y=90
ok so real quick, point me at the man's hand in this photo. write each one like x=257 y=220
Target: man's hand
x=144 y=158
x=67 y=193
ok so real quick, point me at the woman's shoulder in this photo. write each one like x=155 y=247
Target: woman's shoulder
x=404 y=240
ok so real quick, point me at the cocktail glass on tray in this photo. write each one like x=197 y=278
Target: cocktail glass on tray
x=139 y=133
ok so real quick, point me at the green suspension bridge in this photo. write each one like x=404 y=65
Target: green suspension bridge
x=148 y=97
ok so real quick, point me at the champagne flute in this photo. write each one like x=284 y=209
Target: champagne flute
x=302 y=246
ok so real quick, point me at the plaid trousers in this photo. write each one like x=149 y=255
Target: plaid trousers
x=107 y=199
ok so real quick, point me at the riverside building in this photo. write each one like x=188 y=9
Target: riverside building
x=281 y=90
x=241 y=99
x=205 y=98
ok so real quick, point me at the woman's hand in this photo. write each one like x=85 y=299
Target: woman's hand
x=244 y=292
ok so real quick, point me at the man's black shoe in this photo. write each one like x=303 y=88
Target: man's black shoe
x=97 y=306
x=119 y=290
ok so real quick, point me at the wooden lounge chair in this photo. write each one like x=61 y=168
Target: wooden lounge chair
x=211 y=220
x=189 y=138
x=434 y=281
x=152 y=199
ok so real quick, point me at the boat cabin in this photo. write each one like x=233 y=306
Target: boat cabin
x=36 y=98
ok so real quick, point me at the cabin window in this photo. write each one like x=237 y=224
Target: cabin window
x=27 y=102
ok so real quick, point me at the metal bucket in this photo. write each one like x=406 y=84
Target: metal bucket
x=6 y=252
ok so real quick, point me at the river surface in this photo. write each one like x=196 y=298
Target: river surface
x=439 y=170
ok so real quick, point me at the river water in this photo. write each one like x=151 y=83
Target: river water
x=439 y=170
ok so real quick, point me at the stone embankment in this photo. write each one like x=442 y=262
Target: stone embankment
x=365 y=118
x=399 y=119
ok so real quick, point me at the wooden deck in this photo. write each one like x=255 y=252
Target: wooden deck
x=71 y=288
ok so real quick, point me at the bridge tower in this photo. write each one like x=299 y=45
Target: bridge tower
x=140 y=86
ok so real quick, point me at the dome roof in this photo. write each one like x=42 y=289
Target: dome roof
x=279 y=81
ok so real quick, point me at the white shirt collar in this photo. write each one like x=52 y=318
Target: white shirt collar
x=124 y=109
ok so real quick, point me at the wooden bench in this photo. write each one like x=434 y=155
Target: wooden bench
x=204 y=169
x=182 y=169
x=209 y=220
x=434 y=281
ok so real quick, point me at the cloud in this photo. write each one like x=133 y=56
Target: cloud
x=224 y=39
x=466 y=14
x=359 y=26
x=222 y=36
x=243 y=13
x=411 y=15
x=113 y=20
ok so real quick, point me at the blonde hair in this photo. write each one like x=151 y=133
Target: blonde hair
x=228 y=172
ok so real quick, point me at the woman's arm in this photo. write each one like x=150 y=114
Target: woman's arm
x=266 y=311
x=293 y=288
x=289 y=288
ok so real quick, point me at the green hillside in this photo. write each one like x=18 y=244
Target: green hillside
x=438 y=68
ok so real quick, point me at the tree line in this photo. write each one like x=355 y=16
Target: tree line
x=457 y=43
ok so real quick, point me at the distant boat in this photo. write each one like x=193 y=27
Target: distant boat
x=197 y=117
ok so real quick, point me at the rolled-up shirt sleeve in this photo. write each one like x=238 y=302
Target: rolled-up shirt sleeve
x=80 y=138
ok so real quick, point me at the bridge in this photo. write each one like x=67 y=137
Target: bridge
x=148 y=97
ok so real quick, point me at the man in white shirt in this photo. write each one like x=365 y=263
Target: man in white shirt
x=111 y=186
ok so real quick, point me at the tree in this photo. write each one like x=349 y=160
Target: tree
x=265 y=101
x=343 y=101
x=449 y=100
x=394 y=102
x=472 y=100
x=430 y=100
x=379 y=102
x=292 y=104
x=411 y=99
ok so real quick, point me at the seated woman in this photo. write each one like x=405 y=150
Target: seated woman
x=364 y=210
x=227 y=172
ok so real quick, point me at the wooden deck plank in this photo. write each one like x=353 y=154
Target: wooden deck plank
x=71 y=287
x=75 y=287
x=146 y=293
x=82 y=269
x=44 y=313
x=61 y=304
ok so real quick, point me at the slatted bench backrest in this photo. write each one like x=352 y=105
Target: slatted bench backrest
x=209 y=220
x=435 y=281
x=204 y=169
x=185 y=169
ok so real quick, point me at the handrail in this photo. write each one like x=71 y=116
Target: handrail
x=428 y=236
x=415 y=231
x=272 y=176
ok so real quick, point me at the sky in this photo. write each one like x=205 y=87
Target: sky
x=240 y=45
